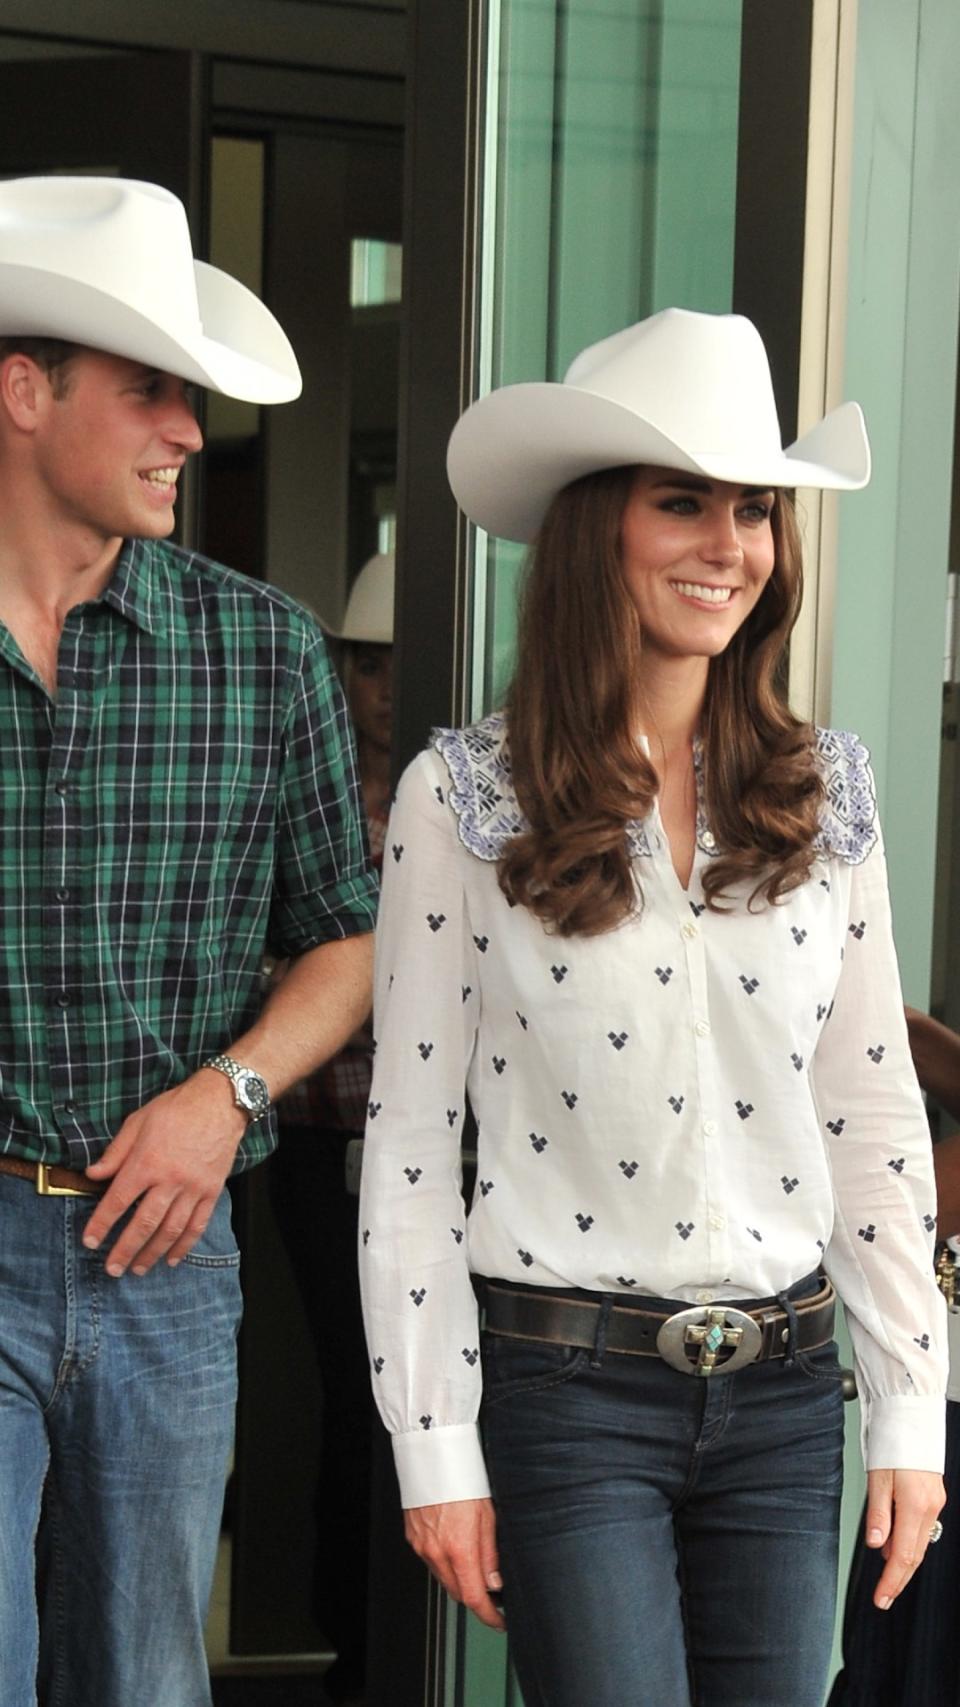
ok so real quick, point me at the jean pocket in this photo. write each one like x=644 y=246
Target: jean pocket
x=822 y=1364
x=512 y=1367
x=216 y=1246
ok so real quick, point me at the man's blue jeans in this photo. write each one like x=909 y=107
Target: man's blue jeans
x=116 y=1420
x=665 y=1539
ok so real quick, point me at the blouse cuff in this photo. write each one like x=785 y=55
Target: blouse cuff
x=440 y=1464
x=903 y=1432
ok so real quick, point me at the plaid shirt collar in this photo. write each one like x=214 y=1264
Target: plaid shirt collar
x=131 y=589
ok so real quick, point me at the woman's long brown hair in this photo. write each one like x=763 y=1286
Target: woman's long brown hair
x=575 y=709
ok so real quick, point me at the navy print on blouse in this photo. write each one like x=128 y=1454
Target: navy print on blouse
x=836 y=1126
x=858 y=930
x=584 y=1222
x=418 y=1294
x=452 y=1117
x=799 y=936
x=499 y=1062
x=559 y=973
x=525 y=1258
x=522 y=1018
x=676 y=1103
x=797 y=1061
x=486 y=1186
x=664 y=973
x=923 y=1342
x=436 y=921
x=623 y=1281
x=413 y=1174
x=929 y=1223
x=897 y=1164
x=426 y=1050
x=483 y=943
x=539 y=1142
x=789 y=1185
x=377 y=1365
x=425 y=1421
x=618 y=1038
x=877 y=1052
x=755 y=1235
x=629 y=1168
x=465 y=991
x=684 y=1228
x=749 y=984
x=744 y=1109
x=366 y=1235
x=458 y=1234
x=373 y=1109
x=698 y=907
x=570 y=1098
x=869 y=1232
x=470 y=1355
x=398 y=851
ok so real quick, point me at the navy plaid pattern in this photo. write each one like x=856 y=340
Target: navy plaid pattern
x=187 y=802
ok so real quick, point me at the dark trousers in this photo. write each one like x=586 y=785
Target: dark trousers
x=665 y=1541
x=317 y=1219
x=909 y=1656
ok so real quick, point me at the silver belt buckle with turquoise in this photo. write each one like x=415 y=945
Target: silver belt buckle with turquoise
x=693 y=1341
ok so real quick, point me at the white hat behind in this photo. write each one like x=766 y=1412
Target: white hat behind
x=369 y=613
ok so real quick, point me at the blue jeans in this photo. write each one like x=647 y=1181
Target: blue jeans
x=116 y=1420
x=665 y=1539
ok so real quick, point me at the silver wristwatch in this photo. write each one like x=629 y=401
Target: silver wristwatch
x=249 y=1089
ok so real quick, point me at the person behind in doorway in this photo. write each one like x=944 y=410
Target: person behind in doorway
x=178 y=792
x=316 y=1204
x=642 y=918
x=912 y=1658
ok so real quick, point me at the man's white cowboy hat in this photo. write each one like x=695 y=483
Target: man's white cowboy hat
x=680 y=390
x=107 y=262
x=369 y=613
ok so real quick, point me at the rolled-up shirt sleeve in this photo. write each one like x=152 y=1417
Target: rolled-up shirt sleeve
x=880 y=1255
x=419 y=1305
x=324 y=887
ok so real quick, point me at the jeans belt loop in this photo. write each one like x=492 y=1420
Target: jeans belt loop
x=791 y=1330
x=600 y=1338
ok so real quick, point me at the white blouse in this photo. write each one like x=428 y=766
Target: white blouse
x=696 y=1105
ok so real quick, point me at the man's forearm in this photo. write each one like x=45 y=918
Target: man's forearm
x=310 y=1013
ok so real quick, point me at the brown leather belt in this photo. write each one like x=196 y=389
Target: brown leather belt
x=48 y=1180
x=707 y=1339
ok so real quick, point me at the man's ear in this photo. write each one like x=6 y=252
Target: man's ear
x=25 y=392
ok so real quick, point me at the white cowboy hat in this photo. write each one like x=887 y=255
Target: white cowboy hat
x=369 y=613
x=107 y=263
x=680 y=390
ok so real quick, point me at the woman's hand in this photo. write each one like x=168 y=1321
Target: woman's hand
x=902 y=1508
x=459 y=1543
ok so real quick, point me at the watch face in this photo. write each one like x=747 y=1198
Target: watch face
x=252 y=1092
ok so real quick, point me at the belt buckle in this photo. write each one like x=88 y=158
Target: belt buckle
x=710 y=1330
x=45 y=1189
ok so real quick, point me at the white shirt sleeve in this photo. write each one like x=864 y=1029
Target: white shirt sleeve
x=419 y=1305
x=880 y=1255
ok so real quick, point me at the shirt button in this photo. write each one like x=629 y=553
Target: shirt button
x=704 y=1297
x=708 y=839
x=702 y=1028
x=62 y=787
x=689 y=930
x=63 y=894
x=63 y=1000
x=717 y=1222
x=69 y=1108
x=709 y=1129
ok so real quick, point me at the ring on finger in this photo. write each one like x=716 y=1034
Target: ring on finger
x=936 y=1533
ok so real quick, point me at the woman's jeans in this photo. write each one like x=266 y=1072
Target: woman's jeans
x=116 y=1420
x=665 y=1539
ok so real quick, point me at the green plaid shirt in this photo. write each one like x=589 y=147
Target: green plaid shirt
x=187 y=802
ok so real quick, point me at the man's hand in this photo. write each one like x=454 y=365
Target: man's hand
x=902 y=1507
x=174 y=1155
x=459 y=1543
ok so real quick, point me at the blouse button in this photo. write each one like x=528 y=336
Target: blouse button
x=704 y=1297
x=710 y=1131
x=717 y=1222
x=708 y=839
x=702 y=1028
x=689 y=930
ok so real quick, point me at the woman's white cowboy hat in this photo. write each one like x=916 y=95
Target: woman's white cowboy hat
x=369 y=613
x=680 y=390
x=107 y=262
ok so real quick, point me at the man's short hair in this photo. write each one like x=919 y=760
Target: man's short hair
x=50 y=354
